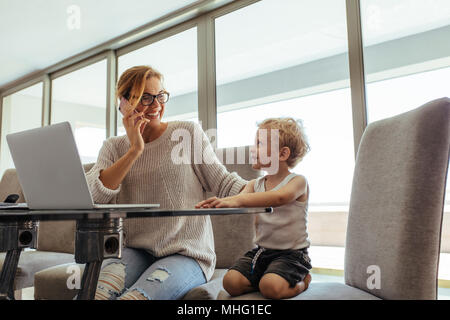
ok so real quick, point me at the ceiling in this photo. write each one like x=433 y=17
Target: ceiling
x=36 y=34
x=258 y=39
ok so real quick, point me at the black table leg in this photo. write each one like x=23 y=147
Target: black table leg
x=89 y=281
x=14 y=236
x=8 y=274
x=96 y=239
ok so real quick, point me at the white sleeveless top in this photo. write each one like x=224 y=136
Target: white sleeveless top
x=285 y=227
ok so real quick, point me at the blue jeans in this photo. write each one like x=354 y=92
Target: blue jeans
x=140 y=275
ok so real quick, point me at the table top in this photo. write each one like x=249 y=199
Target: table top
x=46 y=215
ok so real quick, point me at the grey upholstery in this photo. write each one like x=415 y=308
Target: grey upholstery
x=397 y=203
x=31 y=262
x=316 y=291
x=10 y=185
x=51 y=283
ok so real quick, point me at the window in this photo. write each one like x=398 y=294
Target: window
x=21 y=111
x=290 y=61
x=404 y=62
x=406 y=56
x=80 y=98
x=176 y=58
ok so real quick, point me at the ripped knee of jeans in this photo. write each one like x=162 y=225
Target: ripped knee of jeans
x=111 y=281
x=160 y=275
x=135 y=294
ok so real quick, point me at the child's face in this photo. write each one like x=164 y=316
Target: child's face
x=262 y=156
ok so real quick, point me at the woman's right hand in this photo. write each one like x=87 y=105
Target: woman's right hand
x=134 y=124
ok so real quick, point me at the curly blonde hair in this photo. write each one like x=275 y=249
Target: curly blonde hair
x=291 y=135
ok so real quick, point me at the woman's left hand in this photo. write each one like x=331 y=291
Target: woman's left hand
x=214 y=202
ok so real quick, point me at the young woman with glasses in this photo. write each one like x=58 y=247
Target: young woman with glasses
x=163 y=257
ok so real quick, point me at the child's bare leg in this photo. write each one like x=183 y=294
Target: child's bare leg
x=236 y=284
x=273 y=286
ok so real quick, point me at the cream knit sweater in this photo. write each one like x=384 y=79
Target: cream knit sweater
x=156 y=178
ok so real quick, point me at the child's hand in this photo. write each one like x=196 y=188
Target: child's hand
x=214 y=202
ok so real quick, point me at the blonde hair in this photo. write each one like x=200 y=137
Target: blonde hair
x=131 y=84
x=291 y=135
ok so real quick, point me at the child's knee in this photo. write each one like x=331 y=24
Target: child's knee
x=234 y=282
x=272 y=288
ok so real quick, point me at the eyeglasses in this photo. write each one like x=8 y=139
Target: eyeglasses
x=147 y=98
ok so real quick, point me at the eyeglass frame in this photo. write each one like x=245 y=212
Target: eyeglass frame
x=153 y=98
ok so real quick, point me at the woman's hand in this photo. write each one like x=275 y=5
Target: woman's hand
x=214 y=202
x=134 y=124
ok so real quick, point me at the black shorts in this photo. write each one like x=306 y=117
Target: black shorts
x=292 y=265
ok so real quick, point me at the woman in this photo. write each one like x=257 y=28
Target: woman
x=164 y=257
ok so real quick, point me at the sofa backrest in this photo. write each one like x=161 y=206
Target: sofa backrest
x=397 y=201
x=233 y=234
x=9 y=184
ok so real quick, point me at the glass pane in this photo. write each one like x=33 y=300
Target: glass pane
x=80 y=98
x=21 y=111
x=179 y=71
x=406 y=56
x=290 y=64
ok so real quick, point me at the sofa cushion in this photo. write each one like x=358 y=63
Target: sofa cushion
x=31 y=262
x=51 y=283
x=209 y=290
x=57 y=236
x=316 y=291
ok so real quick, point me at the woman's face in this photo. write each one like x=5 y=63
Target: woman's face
x=155 y=111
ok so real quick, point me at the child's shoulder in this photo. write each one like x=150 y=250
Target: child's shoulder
x=299 y=177
x=298 y=182
x=292 y=176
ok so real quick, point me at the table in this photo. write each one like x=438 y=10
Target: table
x=99 y=235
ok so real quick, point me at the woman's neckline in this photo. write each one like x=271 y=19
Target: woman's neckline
x=160 y=138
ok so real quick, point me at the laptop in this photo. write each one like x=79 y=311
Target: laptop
x=50 y=171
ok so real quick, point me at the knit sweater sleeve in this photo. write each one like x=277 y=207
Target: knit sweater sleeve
x=106 y=158
x=212 y=174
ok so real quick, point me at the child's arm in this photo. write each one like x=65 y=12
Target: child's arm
x=295 y=188
x=249 y=188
